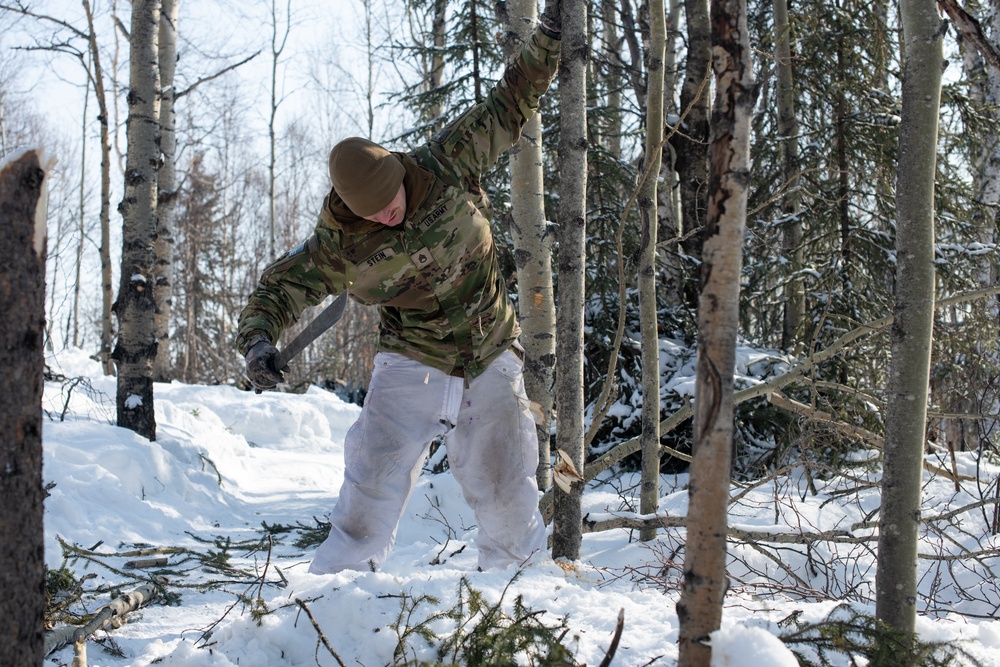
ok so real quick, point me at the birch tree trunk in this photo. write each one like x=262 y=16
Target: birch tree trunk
x=107 y=287
x=136 y=346
x=649 y=494
x=22 y=300
x=671 y=265
x=532 y=254
x=82 y=228
x=572 y=229
x=277 y=48
x=700 y=607
x=166 y=190
x=913 y=313
x=961 y=396
x=788 y=131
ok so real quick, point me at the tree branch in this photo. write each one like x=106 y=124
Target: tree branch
x=971 y=30
x=19 y=8
x=794 y=374
x=109 y=615
x=214 y=76
x=319 y=631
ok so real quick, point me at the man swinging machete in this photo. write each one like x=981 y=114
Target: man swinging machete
x=410 y=234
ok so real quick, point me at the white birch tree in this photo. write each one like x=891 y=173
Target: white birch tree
x=650 y=492
x=166 y=200
x=532 y=253
x=700 y=607
x=136 y=347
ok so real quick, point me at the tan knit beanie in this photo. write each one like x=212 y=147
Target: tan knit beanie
x=365 y=175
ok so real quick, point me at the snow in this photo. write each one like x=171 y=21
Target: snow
x=228 y=461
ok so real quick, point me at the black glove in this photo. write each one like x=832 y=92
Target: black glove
x=260 y=359
x=550 y=22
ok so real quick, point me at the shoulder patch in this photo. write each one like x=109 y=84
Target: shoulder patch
x=291 y=257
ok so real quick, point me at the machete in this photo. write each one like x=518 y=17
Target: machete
x=326 y=319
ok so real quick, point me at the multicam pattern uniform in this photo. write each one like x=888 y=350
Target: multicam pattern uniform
x=436 y=280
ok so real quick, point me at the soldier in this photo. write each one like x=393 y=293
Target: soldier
x=410 y=233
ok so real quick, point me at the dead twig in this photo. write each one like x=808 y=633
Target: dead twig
x=319 y=631
x=610 y=655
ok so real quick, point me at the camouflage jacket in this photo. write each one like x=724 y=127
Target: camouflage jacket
x=435 y=278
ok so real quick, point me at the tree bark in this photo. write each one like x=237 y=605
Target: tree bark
x=912 y=329
x=791 y=226
x=22 y=300
x=136 y=346
x=611 y=53
x=436 y=79
x=700 y=607
x=960 y=395
x=649 y=494
x=572 y=228
x=692 y=153
x=532 y=255
x=671 y=264
x=277 y=48
x=107 y=286
x=166 y=202
x=106 y=616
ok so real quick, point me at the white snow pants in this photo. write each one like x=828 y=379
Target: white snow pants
x=492 y=452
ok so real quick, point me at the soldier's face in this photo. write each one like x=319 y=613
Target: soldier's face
x=393 y=214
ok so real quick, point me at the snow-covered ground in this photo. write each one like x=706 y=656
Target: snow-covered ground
x=225 y=462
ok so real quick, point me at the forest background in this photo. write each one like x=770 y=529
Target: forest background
x=257 y=110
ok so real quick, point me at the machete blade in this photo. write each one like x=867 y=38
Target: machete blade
x=326 y=319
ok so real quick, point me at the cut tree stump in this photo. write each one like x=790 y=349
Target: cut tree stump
x=22 y=302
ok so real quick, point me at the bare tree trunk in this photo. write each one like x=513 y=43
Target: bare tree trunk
x=277 y=47
x=788 y=131
x=3 y=128
x=913 y=312
x=82 y=227
x=567 y=532
x=649 y=495
x=668 y=223
x=166 y=191
x=438 y=34
x=22 y=300
x=532 y=253
x=692 y=154
x=612 y=134
x=107 y=288
x=370 y=62
x=960 y=395
x=136 y=346
x=477 y=79
x=700 y=607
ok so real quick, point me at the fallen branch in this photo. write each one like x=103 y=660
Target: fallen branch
x=795 y=374
x=816 y=415
x=112 y=614
x=319 y=631
x=875 y=440
x=639 y=523
x=610 y=655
